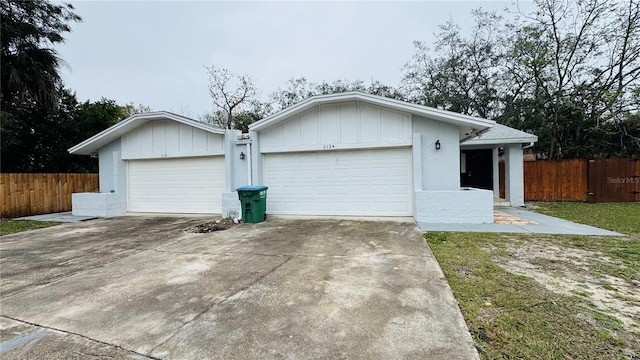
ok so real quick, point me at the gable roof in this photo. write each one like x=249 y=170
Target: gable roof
x=114 y=132
x=501 y=134
x=471 y=123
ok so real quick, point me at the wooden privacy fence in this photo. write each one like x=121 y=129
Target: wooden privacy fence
x=556 y=180
x=32 y=194
x=601 y=180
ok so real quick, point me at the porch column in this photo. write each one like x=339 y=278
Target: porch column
x=496 y=172
x=514 y=174
x=229 y=159
x=256 y=158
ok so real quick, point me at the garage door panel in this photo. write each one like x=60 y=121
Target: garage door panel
x=185 y=185
x=359 y=182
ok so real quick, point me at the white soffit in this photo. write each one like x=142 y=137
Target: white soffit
x=501 y=134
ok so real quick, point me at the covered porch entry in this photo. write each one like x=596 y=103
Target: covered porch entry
x=479 y=162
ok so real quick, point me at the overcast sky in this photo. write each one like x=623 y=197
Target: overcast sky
x=154 y=52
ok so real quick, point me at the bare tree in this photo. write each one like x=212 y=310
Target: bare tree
x=579 y=66
x=461 y=73
x=569 y=72
x=230 y=92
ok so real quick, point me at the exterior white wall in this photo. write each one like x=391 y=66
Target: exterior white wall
x=349 y=125
x=416 y=155
x=112 y=198
x=514 y=174
x=98 y=204
x=231 y=205
x=168 y=138
x=440 y=169
x=496 y=172
x=256 y=158
x=236 y=168
x=237 y=172
x=113 y=170
x=473 y=206
x=240 y=171
x=438 y=197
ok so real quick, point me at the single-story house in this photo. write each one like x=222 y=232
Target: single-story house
x=349 y=154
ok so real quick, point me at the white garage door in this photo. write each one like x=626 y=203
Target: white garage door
x=360 y=182
x=185 y=185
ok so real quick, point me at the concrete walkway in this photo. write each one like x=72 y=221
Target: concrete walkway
x=59 y=217
x=532 y=222
x=545 y=225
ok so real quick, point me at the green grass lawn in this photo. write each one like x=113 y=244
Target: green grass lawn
x=13 y=226
x=620 y=217
x=550 y=296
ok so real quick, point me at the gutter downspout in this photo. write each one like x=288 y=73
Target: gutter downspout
x=528 y=146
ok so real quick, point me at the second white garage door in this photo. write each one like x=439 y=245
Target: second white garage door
x=359 y=182
x=185 y=185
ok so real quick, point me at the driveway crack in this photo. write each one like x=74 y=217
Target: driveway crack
x=216 y=303
x=79 y=335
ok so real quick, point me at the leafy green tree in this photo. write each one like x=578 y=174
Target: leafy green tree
x=461 y=74
x=28 y=32
x=93 y=117
x=36 y=139
x=258 y=111
x=299 y=89
x=578 y=63
x=131 y=108
x=568 y=72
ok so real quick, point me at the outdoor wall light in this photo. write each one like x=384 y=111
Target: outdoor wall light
x=242 y=156
x=437 y=144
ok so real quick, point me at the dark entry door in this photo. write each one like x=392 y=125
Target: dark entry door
x=477 y=171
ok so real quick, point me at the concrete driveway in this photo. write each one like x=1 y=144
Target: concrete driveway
x=142 y=287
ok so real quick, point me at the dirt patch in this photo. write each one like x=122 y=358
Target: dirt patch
x=568 y=271
x=217 y=225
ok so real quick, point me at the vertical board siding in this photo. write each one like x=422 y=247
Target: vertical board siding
x=33 y=194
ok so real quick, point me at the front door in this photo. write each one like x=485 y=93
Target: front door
x=476 y=169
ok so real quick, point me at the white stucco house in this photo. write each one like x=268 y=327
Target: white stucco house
x=348 y=154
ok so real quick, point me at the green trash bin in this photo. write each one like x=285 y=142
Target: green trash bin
x=253 y=201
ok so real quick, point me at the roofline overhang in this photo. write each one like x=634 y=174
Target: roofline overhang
x=92 y=144
x=414 y=109
x=504 y=141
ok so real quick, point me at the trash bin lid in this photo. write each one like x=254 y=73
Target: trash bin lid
x=252 y=188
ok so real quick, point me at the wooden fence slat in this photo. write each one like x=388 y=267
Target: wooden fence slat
x=613 y=180
x=637 y=179
x=572 y=180
x=33 y=194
